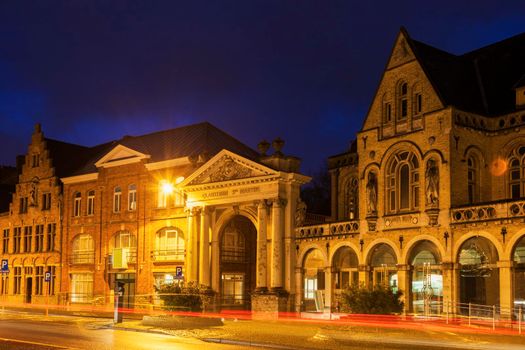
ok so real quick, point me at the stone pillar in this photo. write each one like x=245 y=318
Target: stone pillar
x=192 y=247
x=327 y=289
x=262 y=256
x=403 y=284
x=450 y=286
x=364 y=275
x=334 y=181
x=277 y=246
x=204 y=261
x=298 y=288
x=215 y=269
x=506 y=288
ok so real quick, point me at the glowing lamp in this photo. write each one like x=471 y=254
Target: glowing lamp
x=167 y=188
x=179 y=180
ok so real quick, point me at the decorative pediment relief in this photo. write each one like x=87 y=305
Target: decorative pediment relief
x=120 y=155
x=227 y=166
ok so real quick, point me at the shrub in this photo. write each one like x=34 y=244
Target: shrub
x=185 y=297
x=376 y=300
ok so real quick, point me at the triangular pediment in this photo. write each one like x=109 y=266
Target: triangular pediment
x=402 y=52
x=227 y=166
x=120 y=155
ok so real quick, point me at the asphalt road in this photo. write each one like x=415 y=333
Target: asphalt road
x=44 y=335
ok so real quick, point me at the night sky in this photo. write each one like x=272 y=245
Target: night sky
x=92 y=71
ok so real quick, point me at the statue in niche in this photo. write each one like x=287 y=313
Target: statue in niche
x=432 y=182
x=300 y=213
x=33 y=193
x=371 y=193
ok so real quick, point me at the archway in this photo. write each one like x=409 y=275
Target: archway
x=345 y=268
x=383 y=263
x=519 y=273
x=479 y=274
x=426 y=287
x=237 y=262
x=314 y=280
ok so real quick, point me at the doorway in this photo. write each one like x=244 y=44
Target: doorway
x=128 y=281
x=29 y=289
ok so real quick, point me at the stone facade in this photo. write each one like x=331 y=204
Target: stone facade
x=429 y=199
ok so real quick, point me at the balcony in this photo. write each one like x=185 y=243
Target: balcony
x=488 y=211
x=82 y=258
x=327 y=230
x=168 y=255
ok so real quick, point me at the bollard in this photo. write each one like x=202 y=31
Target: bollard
x=493 y=317
x=469 y=312
x=519 y=319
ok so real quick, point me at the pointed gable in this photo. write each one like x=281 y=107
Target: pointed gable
x=402 y=51
x=227 y=166
x=120 y=155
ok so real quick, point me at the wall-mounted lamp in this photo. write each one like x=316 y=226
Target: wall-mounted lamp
x=445 y=236
x=361 y=243
x=503 y=233
x=401 y=239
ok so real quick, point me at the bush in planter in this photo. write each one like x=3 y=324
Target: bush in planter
x=185 y=297
x=376 y=300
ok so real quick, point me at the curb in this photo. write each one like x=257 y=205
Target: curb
x=247 y=343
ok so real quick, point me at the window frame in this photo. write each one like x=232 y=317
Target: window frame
x=117 y=199
x=394 y=182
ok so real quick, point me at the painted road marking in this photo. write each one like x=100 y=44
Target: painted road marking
x=35 y=343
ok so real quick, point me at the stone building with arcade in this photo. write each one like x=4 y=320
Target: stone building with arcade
x=190 y=204
x=429 y=197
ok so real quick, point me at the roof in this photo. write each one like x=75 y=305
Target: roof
x=186 y=141
x=480 y=81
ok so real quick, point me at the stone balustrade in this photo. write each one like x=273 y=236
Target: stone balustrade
x=488 y=211
x=329 y=229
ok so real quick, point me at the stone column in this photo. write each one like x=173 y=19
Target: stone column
x=450 y=286
x=262 y=256
x=277 y=246
x=364 y=275
x=193 y=248
x=506 y=288
x=215 y=278
x=298 y=288
x=334 y=180
x=204 y=261
x=403 y=284
x=328 y=289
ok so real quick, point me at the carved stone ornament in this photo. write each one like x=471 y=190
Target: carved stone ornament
x=300 y=213
x=226 y=169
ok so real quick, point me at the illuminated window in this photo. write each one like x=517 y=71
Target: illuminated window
x=169 y=196
x=117 y=199
x=169 y=244
x=90 y=203
x=132 y=197
x=77 y=204
x=83 y=250
x=402 y=182
x=81 y=287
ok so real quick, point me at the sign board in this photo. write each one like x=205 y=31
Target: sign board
x=178 y=273
x=47 y=277
x=5 y=265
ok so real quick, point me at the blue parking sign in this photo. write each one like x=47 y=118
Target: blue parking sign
x=47 y=277
x=5 y=265
x=178 y=272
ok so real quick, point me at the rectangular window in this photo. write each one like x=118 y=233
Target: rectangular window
x=35 y=160
x=132 y=198
x=310 y=287
x=5 y=241
x=77 y=206
x=18 y=280
x=91 y=203
x=17 y=239
x=46 y=201
x=28 y=238
x=39 y=280
x=419 y=104
x=23 y=205
x=403 y=109
x=39 y=238
x=51 y=284
x=4 y=290
x=81 y=287
x=51 y=236
x=515 y=191
x=117 y=196
x=388 y=112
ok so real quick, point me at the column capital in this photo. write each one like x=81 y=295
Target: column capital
x=261 y=204
x=191 y=211
x=207 y=210
x=278 y=202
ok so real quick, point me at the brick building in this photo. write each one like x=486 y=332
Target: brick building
x=187 y=204
x=429 y=198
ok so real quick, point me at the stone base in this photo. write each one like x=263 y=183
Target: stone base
x=268 y=306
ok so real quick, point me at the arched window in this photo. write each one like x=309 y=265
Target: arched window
x=473 y=179
x=169 y=245
x=517 y=173
x=83 y=250
x=128 y=241
x=351 y=199
x=417 y=104
x=402 y=182
x=387 y=109
x=132 y=197
x=117 y=199
x=77 y=204
x=383 y=263
x=345 y=268
x=402 y=101
x=91 y=202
